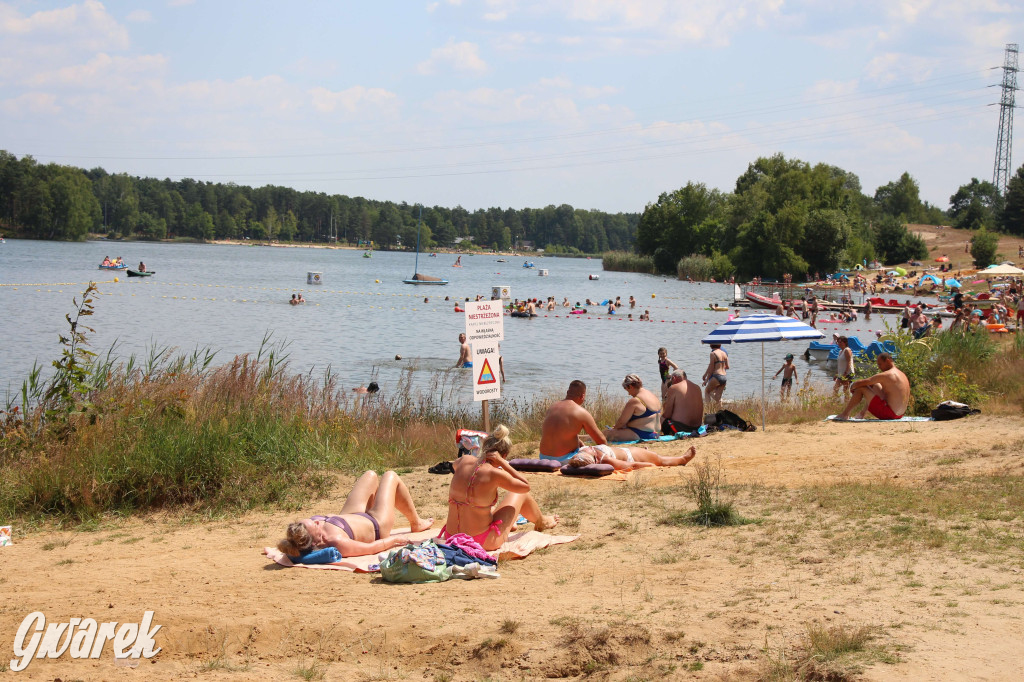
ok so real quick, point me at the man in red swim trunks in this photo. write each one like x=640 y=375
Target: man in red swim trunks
x=888 y=392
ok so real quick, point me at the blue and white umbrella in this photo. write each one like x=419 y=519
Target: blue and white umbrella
x=763 y=328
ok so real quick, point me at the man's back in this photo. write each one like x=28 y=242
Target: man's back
x=561 y=428
x=686 y=403
x=896 y=387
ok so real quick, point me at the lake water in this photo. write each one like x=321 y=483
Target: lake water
x=228 y=297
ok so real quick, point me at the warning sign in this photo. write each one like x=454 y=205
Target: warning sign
x=484 y=322
x=486 y=371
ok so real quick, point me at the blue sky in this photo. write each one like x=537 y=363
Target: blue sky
x=598 y=103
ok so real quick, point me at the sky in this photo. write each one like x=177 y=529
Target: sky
x=601 y=104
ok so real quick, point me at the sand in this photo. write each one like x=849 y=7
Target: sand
x=633 y=598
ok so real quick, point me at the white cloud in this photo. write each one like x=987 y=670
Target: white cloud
x=86 y=26
x=503 y=106
x=590 y=91
x=462 y=57
x=432 y=6
x=139 y=16
x=102 y=72
x=496 y=16
x=560 y=82
x=352 y=99
x=33 y=103
x=179 y=3
x=893 y=66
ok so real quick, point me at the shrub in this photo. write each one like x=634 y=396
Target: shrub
x=621 y=261
x=697 y=267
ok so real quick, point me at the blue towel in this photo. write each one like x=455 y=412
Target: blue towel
x=327 y=555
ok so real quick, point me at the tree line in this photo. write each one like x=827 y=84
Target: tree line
x=51 y=201
x=786 y=216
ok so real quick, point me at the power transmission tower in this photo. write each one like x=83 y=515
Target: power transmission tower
x=1004 y=143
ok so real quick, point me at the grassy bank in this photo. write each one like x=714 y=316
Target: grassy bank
x=179 y=431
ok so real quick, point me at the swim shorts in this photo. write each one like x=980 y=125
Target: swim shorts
x=881 y=410
x=787 y=382
x=467 y=365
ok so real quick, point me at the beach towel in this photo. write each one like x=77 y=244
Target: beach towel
x=852 y=420
x=517 y=546
x=702 y=431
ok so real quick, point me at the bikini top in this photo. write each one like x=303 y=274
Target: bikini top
x=717 y=361
x=469 y=493
x=648 y=412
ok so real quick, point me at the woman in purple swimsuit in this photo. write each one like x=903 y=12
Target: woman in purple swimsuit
x=473 y=506
x=364 y=525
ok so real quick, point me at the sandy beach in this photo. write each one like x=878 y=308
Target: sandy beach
x=852 y=525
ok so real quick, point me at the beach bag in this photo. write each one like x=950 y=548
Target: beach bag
x=416 y=563
x=728 y=418
x=949 y=409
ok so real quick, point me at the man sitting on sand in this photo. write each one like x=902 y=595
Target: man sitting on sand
x=560 y=432
x=683 y=409
x=889 y=391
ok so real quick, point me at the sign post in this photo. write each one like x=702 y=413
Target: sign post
x=485 y=327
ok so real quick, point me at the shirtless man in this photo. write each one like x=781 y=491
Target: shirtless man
x=560 y=432
x=889 y=391
x=714 y=376
x=844 y=366
x=464 y=361
x=683 y=409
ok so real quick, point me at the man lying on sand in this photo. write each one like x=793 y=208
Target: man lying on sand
x=473 y=506
x=889 y=391
x=560 y=432
x=365 y=523
x=627 y=459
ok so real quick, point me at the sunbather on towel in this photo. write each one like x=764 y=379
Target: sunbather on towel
x=888 y=392
x=627 y=459
x=473 y=506
x=365 y=523
x=640 y=415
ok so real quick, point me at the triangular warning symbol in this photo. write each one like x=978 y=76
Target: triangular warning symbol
x=486 y=375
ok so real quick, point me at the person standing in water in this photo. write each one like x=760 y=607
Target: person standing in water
x=464 y=360
x=665 y=367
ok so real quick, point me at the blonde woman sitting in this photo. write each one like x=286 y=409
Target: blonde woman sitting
x=364 y=525
x=473 y=506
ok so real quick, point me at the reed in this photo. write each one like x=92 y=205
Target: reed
x=621 y=261
x=696 y=267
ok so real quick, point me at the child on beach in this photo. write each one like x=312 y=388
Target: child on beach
x=665 y=367
x=788 y=375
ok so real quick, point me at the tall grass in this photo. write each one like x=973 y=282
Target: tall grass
x=696 y=267
x=621 y=261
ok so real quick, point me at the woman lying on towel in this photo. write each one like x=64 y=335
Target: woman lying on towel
x=364 y=525
x=627 y=459
x=473 y=506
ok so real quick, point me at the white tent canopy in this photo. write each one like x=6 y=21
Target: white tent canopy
x=1000 y=270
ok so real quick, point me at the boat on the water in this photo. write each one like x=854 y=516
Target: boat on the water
x=367 y=254
x=417 y=278
x=122 y=266
x=141 y=273
x=529 y=264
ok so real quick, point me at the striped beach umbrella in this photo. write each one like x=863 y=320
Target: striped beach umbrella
x=761 y=328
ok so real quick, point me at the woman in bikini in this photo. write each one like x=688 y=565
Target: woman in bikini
x=714 y=375
x=640 y=415
x=627 y=459
x=473 y=506
x=364 y=525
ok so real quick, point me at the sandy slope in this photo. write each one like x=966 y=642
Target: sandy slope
x=633 y=598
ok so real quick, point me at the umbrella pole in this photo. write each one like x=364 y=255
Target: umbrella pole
x=762 y=386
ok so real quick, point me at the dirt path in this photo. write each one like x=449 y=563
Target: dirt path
x=633 y=598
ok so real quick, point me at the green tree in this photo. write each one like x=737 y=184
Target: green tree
x=1012 y=215
x=984 y=245
x=975 y=205
x=900 y=198
x=826 y=233
x=894 y=243
x=670 y=228
x=386 y=226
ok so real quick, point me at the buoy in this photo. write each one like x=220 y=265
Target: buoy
x=653 y=296
x=377 y=281
x=116 y=279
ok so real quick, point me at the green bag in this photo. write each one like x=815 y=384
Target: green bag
x=416 y=563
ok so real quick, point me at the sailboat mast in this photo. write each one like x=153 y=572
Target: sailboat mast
x=418 y=220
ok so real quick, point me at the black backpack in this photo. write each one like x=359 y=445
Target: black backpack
x=727 y=418
x=951 y=410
